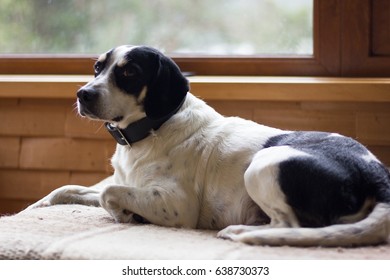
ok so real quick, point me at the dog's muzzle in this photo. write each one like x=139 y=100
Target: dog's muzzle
x=87 y=99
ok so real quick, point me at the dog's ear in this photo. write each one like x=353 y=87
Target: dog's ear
x=167 y=89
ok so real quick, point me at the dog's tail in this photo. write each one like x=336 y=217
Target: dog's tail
x=372 y=230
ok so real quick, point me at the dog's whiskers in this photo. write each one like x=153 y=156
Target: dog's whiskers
x=74 y=107
x=99 y=128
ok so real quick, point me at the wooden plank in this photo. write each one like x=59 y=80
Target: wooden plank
x=220 y=88
x=11 y=206
x=352 y=107
x=41 y=86
x=9 y=152
x=380 y=27
x=34 y=117
x=30 y=184
x=291 y=89
x=373 y=128
x=382 y=153
x=66 y=154
x=340 y=122
x=358 y=58
x=76 y=126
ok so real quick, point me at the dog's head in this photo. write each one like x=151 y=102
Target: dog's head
x=131 y=83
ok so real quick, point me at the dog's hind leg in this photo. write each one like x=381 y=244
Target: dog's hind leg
x=261 y=182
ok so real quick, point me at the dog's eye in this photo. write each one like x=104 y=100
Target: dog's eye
x=98 y=68
x=129 y=72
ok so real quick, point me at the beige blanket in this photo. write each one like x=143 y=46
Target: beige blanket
x=82 y=232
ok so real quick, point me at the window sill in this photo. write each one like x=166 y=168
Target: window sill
x=233 y=88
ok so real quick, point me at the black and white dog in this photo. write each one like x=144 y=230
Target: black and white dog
x=179 y=163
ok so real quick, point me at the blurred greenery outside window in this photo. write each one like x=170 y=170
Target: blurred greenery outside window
x=244 y=28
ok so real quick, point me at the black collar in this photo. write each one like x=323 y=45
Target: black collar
x=135 y=131
x=138 y=130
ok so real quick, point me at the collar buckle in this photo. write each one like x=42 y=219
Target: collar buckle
x=117 y=134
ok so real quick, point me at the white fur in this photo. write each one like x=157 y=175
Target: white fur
x=199 y=158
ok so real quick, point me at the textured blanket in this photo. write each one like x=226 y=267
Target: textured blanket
x=82 y=232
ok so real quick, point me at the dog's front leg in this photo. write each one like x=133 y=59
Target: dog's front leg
x=165 y=207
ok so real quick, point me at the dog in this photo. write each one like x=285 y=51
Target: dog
x=179 y=163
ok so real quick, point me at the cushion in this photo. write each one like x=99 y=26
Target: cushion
x=84 y=232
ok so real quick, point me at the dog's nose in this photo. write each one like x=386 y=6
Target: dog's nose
x=87 y=96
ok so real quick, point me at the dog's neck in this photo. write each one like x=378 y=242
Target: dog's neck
x=138 y=130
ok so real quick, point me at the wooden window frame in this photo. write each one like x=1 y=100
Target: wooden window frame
x=337 y=28
x=358 y=57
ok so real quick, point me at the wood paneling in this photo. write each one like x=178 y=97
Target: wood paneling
x=38 y=155
x=32 y=118
x=9 y=151
x=340 y=122
x=380 y=30
x=207 y=87
x=382 y=152
x=65 y=154
x=11 y=206
x=78 y=127
x=29 y=184
x=291 y=88
x=359 y=29
x=373 y=127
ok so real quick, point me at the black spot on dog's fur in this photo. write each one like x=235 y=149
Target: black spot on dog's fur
x=332 y=181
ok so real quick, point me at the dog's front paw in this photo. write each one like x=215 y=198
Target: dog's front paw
x=48 y=200
x=39 y=204
x=111 y=200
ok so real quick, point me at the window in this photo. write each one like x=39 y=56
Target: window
x=230 y=37
x=202 y=27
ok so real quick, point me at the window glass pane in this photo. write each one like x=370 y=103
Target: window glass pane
x=212 y=27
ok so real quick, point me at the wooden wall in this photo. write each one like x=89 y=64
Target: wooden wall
x=44 y=144
x=367 y=122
